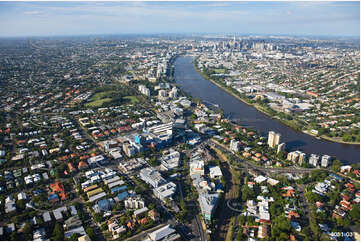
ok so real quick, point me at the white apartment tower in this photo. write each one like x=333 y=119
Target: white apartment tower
x=273 y=139
x=281 y=147
x=325 y=160
x=234 y=145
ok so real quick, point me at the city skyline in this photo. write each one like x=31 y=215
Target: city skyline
x=88 y=18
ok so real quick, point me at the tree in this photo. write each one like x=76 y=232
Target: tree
x=183 y=204
x=98 y=217
x=58 y=232
x=74 y=237
x=355 y=213
x=27 y=231
x=247 y=193
x=313 y=197
x=153 y=161
x=151 y=206
x=20 y=204
x=336 y=164
x=283 y=236
x=344 y=222
x=90 y=232
x=14 y=236
x=314 y=228
x=104 y=227
x=281 y=225
x=240 y=236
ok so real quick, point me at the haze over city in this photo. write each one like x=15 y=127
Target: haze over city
x=82 y=18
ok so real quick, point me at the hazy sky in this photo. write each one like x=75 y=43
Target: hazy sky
x=78 y=18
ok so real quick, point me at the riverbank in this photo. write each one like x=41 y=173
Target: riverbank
x=290 y=124
x=336 y=140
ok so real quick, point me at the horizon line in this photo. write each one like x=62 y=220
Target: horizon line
x=175 y=33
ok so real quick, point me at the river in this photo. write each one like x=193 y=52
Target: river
x=190 y=81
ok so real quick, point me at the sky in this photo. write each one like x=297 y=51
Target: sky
x=83 y=18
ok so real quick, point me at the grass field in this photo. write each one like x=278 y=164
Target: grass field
x=98 y=103
x=98 y=99
x=132 y=99
x=100 y=95
x=103 y=97
x=219 y=71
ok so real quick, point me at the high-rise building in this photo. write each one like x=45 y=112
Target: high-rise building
x=314 y=160
x=301 y=158
x=144 y=90
x=276 y=139
x=129 y=150
x=281 y=147
x=325 y=160
x=273 y=139
x=297 y=157
x=271 y=136
x=162 y=93
x=234 y=145
x=173 y=93
x=293 y=156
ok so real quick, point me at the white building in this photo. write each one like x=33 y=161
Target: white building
x=208 y=204
x=152 y=177
x=22 y=196
x=297 y=157
x=171 y=160
x=196 y=167
x=166 y=233
x=325 y=160
x=173 y=93
x=165 y=191
x=281 y=147
x=314 y=160
x=234 y=145
x=273 y=139
x=215 y=172
x=135 y=202
x=10 y=204
x=92 y=161
x=162 y=94
x=144 y=90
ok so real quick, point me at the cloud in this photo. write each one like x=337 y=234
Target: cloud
x=32 y=12
x=138 y=17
